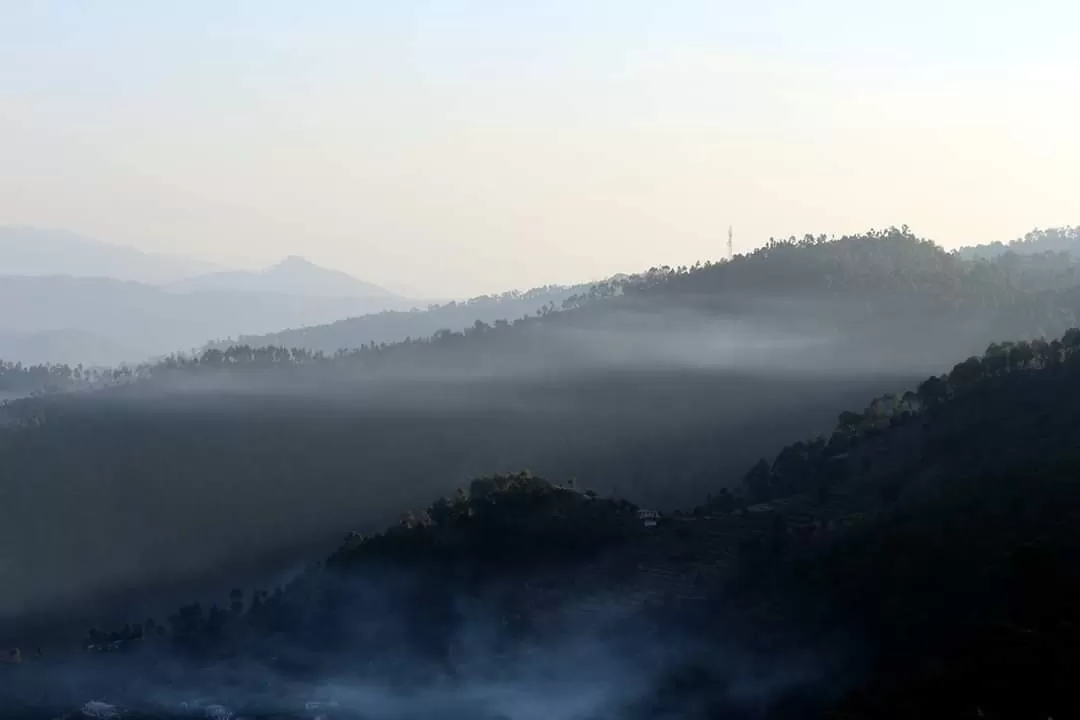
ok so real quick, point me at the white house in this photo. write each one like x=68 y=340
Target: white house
x=648 y=517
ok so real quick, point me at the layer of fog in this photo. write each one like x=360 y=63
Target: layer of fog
x=786 y=338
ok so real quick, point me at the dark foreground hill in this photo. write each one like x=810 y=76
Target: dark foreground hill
x=920 y=561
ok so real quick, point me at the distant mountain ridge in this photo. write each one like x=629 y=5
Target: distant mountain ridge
x=45 y=252
x=292 y=276
x=38 y=252
x=74 y=299
x=104 y=321
x=68 y=345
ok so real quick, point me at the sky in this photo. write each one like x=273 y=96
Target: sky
x=452 y=148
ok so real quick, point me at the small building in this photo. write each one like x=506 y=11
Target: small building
x=648 y=517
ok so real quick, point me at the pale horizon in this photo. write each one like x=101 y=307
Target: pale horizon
x=455 y=149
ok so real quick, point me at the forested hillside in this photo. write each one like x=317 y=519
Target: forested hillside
x=959 y=573
x=395 y=326
x=919 y=561
x=851 y=279
x=660 y=388
x=18 y=380
x=1053 y=241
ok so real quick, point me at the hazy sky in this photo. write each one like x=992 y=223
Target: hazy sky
x=458 y=147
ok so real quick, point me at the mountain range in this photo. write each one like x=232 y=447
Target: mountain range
x=37 y=252
x=117 y=304
x=79 y=300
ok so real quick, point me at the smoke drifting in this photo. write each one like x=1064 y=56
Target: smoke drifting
x=584 y=666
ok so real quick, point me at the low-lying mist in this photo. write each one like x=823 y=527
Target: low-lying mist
x=380 y=667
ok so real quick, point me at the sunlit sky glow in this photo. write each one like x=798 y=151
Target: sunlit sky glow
x=451 y=148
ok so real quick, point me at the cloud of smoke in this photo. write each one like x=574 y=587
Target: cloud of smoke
x=626 y=664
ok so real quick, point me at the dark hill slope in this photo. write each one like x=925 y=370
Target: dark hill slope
x=163 y=486
x=959 y=576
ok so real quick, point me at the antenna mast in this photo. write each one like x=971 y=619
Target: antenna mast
x=730 y=251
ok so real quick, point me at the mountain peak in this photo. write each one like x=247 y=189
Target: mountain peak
x=294 y=275
x=295 y=261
